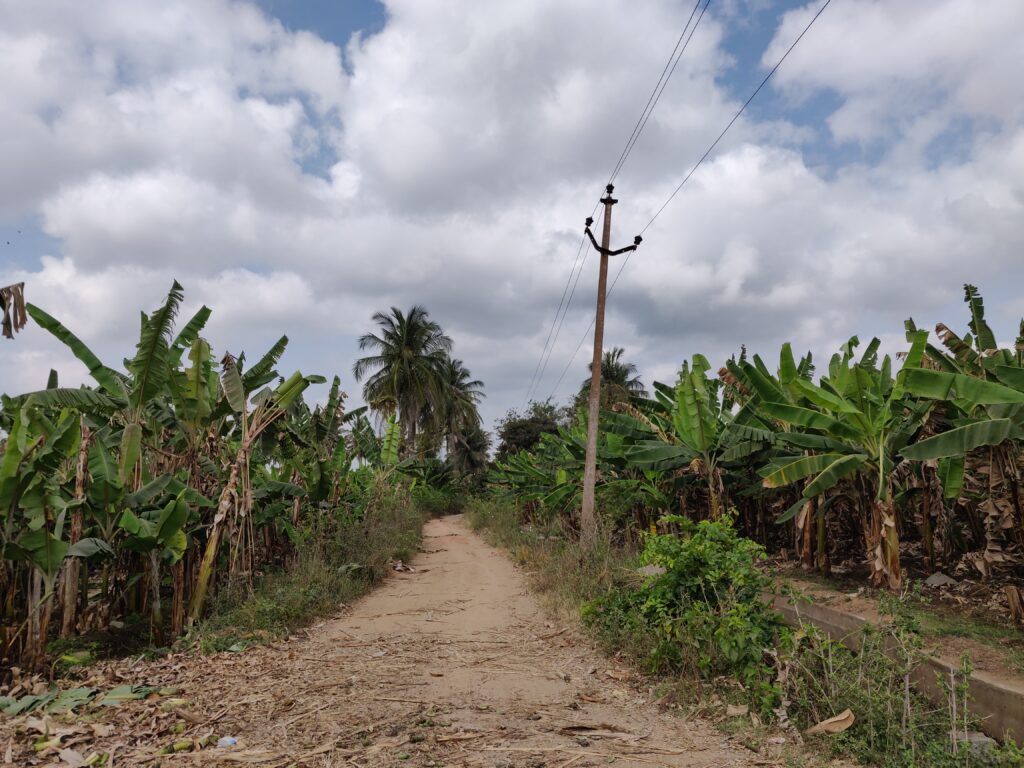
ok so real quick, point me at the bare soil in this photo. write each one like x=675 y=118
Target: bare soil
x=450 y=663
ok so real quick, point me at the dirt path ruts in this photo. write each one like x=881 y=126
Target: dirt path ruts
x=455 y=664
x=450 y=664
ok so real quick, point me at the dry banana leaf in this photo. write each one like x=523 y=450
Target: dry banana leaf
x=12 y=303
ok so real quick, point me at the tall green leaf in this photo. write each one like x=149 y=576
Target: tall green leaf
x=131 y=448
x=951 y=473
x=234 y=389
x=942 y=385
x=104 y=376
x=805 y=417
x=986 y=340
x=961 y=440
x=149 y=367
x=83 y=400
x=262 y=372
x=836 y=471
x=389 y=446
x=786 y=472
x=188 y=334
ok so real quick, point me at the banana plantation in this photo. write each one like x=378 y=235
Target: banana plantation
x=889 y=464
x=188 y=473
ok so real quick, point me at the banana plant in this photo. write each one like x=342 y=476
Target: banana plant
x=158 y=534
x=754 y=385
x=864 y=413
x=235 y=500
x=692 y=427
x=981 y=388
x=37 y=469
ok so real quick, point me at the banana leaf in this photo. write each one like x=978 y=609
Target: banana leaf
x=805 y=417
x=786 y=472
x=654 y=454
x=961 y=440
x=839 y=469
x=941 y=385
x=103 y=375
x=951 y=473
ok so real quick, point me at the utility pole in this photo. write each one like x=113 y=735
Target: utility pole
x=588 y=518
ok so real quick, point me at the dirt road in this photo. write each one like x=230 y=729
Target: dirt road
x=450 y=664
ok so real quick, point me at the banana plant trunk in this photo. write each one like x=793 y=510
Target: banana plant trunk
x=822 y=561
x=807 y=531
x=885 y=546
x=178 y=598
x=72 y=565
x=716 y=490
x=228 y=498
x=40 y=609
x=927 y=531
x=156 y=618
x=296 y=502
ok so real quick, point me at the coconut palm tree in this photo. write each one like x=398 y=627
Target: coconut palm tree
x=620 y=380
x=406 y=371
x=458 y=413
x=468 y=455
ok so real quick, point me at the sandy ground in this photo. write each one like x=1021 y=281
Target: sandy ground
x=450 y=664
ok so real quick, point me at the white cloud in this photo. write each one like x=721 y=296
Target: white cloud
x=452 y=164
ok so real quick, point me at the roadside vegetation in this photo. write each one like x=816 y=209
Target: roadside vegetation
x=199 y=496
x=685 y=607
x=884 y=470
x=869 y=465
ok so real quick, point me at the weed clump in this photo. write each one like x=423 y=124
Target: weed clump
x=875 y=679
x=340 y=554
x=699 y=609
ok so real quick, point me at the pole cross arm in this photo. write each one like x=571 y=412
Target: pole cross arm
x=607 y=251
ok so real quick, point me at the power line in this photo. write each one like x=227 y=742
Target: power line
x=533 y=381
x=572 y=359
x=659 y=88
x=652 y=101
x=572 y=293
x=735 y=117
x=693 y=170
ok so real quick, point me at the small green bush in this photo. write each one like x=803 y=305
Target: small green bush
x=438 y=502
x=701 y=610
x=340 y=554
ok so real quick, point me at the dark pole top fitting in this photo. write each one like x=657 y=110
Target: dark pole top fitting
x=589 y=221
x=610 y=188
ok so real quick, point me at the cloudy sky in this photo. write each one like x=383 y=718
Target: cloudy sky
x=300 y=164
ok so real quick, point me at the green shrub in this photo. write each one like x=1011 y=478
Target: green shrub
x=700 y=611
x=340 y=554
x=438 y=502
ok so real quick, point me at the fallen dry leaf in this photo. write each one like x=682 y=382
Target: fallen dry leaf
x=72 y=757
x=836 y=724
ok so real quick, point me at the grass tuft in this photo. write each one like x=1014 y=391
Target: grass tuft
x=340 y=557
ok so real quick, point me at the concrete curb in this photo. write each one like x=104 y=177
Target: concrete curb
x=997 y=703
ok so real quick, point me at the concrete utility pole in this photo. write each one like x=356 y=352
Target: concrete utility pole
x=588 y=518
